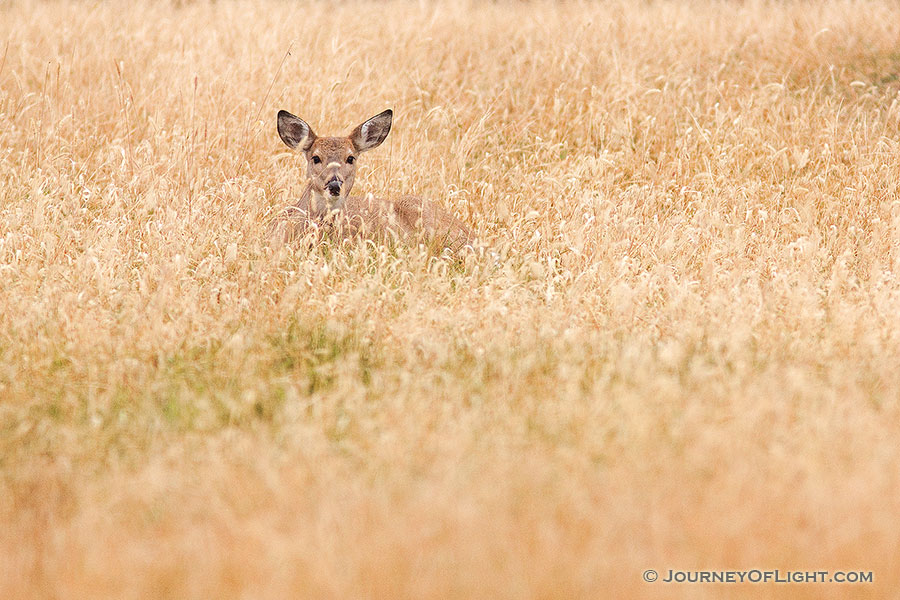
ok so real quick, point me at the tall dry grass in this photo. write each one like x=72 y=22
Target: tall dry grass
x=686 y=355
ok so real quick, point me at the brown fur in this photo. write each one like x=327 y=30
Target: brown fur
x=320 y=212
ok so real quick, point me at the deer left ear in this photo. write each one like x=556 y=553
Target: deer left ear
x=294 y=131
x=371 y=133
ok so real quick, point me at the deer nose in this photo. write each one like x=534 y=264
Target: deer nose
x=334 y=186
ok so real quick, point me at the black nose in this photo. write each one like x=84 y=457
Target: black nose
x=334 y=187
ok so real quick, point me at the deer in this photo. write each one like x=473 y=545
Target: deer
x=326 y=208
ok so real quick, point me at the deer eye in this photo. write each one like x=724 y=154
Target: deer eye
x=351 y=160
x=316 y=160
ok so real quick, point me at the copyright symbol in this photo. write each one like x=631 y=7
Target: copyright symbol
x=650 y=575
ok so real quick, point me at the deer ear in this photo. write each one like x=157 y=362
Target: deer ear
x=371 y=133
x=294 y=131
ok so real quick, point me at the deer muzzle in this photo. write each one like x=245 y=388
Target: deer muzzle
x=334 y=186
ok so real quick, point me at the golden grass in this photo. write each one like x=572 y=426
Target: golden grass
x=685 y=357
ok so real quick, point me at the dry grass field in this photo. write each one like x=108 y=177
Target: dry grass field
x=681 y=349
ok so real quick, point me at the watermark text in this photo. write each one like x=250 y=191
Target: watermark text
x=758 y=576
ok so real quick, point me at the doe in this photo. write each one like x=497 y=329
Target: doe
x=326 y=205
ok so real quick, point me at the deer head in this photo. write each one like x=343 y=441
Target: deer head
x=331 y=161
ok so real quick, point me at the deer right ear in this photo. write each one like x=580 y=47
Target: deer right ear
x=294 y=131
x=371 y=133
